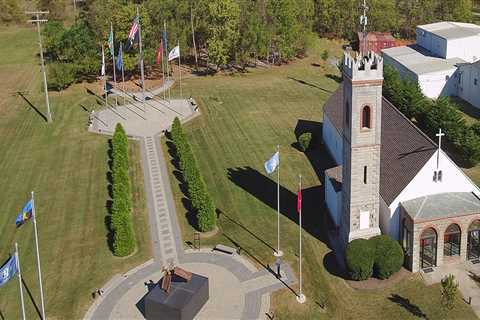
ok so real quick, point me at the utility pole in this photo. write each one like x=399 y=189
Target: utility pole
x=45 y=87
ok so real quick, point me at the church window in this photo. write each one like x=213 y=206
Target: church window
x=366 y=117
x=365 y=174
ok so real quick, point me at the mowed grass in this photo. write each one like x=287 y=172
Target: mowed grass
x=243 y=119
x=67 y=168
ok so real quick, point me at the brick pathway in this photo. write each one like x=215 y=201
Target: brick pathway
x=249 y=299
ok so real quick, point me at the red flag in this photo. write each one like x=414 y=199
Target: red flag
x=160 y=53
x=299 y=201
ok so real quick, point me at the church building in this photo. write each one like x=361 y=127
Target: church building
x=391 y=178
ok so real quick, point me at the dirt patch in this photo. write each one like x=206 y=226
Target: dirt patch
x=374 y=283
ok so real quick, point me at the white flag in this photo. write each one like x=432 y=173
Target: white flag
x=103 y=63
x=175 y=53
x=272 y=163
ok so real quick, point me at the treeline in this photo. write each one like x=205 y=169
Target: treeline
x=430 y=115
x=202 y=202
x=121 y=212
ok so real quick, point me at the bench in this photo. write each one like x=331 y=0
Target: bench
x=224 y=249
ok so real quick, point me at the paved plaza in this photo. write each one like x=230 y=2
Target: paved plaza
x=468 y=276
x=238 y=290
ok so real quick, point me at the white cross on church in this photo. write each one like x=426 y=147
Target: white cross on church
x=440 y=134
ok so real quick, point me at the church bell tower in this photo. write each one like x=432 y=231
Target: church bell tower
x=362 y=98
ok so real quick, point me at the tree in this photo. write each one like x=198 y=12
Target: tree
x=12 y=11
x=56 y=8
x=359 y=258
x=449 y=291
x=60 y=75
x=388 y=256
x=223 y=18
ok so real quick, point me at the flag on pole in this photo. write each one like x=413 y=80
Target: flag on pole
x=299 y=200
x=120 y=58
x=175 y=53
x=25 y=215
x=8 y=270
x=132 y=35
x=160 y=53
x=102 y=73
x=110 y=42
x=272 y=163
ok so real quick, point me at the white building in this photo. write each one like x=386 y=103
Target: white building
x=434 y=61
x=411 y=171
x=469 y=83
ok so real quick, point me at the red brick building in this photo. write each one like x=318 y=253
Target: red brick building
x=376 y=41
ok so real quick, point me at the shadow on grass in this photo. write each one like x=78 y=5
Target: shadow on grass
x=2 y=317
x=331 y=265
x=190 y=214
x=310 y=84
x=265 y=190
x=256 y=259
x=223 y=214
x=405 y=303
x=334 y=77
x=109 y=202
x=31 y=298
x=32 y=106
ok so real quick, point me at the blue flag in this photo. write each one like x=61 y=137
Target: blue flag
x=25 y=215
x=8 y=270
x=120 y=58
x=272 y=163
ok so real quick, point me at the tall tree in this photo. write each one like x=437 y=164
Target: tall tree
x=223 y=18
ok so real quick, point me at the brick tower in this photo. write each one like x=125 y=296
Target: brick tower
x=362 y=98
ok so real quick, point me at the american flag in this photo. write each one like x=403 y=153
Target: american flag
x=133 y=33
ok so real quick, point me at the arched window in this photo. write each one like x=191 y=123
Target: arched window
x=451 y=246
x=428 y=248
x=347 y=113
x=366 y=117
x=473 y=240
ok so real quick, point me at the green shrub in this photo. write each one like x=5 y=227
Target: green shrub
x=388 y=256
x=304 y=141
x=60 y=75
x=360 y=254
x=324 y=55
x=121 y=223
x=202 y=203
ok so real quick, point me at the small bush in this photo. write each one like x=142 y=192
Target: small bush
x=388 y=256
x=304 y=141
x=60 y=76
x=359 y=258
x=324 y=55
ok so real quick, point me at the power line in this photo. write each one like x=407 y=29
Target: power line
x=45 y=86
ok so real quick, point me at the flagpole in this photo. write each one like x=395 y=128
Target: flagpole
x=163 y=70
x=20 y=280
x=141 y=58
x=179 y=70
x=279 y=252
x=114 y=66
x=166 y=55
x=38 y=257
x=301 y=297
x=104 y=78
x=123 y=77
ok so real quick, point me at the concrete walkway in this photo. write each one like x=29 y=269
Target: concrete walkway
x=238 y=290
x=468 y=277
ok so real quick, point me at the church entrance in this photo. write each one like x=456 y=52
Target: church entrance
x=428 y=248
x=451 y=246
x=473 y=243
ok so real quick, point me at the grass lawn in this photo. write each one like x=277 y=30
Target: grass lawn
x=67 y=168
x=243 y=119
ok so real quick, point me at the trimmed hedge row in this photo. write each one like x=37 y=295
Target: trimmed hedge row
x=197 y=190
x=380 y=256
x=122 y=225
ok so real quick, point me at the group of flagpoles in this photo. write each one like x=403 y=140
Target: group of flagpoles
x=113 y=63
x=141 y=58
